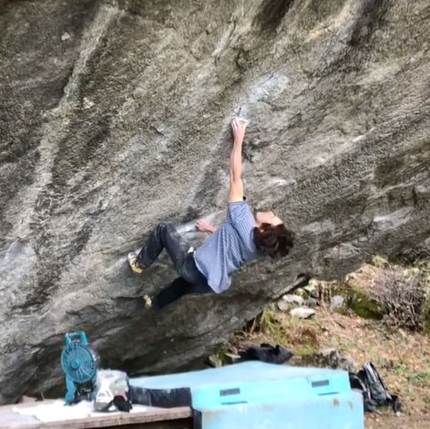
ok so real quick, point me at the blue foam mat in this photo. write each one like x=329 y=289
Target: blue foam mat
x=258 y=395
x=245 y=372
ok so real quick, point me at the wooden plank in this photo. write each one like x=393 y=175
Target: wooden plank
x=169 y=424
x=152 y=415
x=9 y=408
x=177 y=418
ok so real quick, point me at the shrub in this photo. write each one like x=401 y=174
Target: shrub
x=402 y=293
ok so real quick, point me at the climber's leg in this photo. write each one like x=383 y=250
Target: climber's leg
x=191 y=280
x=177 y=289
x=164 y=236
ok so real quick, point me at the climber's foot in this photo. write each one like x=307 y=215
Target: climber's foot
x=148 y=302
x=132 y=260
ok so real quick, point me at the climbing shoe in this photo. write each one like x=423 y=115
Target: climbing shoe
x=132 y=260
x=148 y=302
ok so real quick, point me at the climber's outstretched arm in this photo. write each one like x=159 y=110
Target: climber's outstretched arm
x=236 y=184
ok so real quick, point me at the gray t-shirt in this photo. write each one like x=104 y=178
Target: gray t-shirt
x=228 y=248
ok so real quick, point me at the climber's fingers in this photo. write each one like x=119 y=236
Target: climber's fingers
x=238 y=127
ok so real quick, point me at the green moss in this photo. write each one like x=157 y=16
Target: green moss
x=367 y=308
x=425 y=314
x=379 y=261
x=360 y=303
x=221 y=358
x=424 y=268
x=341 y=310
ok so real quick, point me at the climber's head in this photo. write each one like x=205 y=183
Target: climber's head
x=267 y=217
x=270 y=235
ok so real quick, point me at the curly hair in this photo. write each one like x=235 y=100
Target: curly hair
x=274 y=241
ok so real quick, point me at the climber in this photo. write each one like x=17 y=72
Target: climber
x=240 y=238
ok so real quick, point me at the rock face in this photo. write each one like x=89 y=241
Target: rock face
x=326 y=358
x=114 y=116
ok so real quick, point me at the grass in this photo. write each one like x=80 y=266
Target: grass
x=283 y=329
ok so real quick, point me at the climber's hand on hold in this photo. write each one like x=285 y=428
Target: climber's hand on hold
x=238 y=127
x=204 y=226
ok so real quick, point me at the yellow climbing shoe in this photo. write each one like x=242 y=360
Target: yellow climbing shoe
x=132 y=260
x=148 y=301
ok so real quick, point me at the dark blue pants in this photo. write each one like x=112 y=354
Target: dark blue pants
x=191 y=280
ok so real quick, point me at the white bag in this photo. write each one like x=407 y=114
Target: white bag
x=112 y=391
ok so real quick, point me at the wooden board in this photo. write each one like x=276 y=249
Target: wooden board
x=153 y=418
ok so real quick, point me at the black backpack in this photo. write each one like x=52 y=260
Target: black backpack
x=369 y=382
x=266 y=353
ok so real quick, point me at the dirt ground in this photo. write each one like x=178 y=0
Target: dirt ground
x=401 y=357
x=390 y=422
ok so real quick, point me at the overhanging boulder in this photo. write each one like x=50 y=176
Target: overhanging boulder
x=114 y=116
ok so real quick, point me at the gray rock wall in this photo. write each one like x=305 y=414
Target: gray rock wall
x=114 y=116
